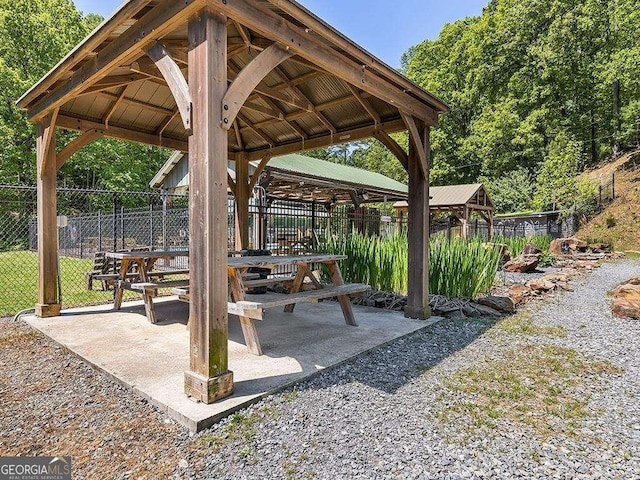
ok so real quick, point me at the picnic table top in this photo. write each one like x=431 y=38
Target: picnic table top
x=277 y=260
x=266 y=261
x=147 y=254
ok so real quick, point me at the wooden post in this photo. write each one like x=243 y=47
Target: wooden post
x=242 y=195
x=209 y=378
x=48 y=302
x=465 y=223
x=418 y=301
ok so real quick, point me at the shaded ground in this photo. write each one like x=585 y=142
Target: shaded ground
x=549 y=393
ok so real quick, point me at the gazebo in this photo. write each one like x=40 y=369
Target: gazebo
x=238 y=80
x=459 y=200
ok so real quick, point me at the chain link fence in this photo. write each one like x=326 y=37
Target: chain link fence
x=98 y=221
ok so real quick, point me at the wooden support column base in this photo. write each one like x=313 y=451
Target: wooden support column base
x=208 y=390
x=47 y=311
x=419 y=313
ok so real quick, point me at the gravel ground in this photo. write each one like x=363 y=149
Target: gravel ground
x=550 y=393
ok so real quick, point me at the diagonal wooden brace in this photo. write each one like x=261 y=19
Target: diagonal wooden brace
x=175 y=80
x=248 y=79
x=415 y=137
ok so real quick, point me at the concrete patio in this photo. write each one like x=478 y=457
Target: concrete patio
x=151 y=359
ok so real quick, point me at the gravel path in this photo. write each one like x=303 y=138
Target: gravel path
x=551 y=393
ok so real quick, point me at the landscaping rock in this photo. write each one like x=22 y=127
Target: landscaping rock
x=531 y=249
x=541 y=285
x=506 y=254
x=623 y=308
x=502 y=304
x=519 y=293
x=628 y=291
x=566 y=246
x=634 y=281
x=522 y=264
x=600 y=247
x=488 y=311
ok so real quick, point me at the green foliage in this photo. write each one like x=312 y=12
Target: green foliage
x=513 y=192
x=527 y=74
x=457 y=268
x=556 y=184
x=517 y=244
x=34 y=36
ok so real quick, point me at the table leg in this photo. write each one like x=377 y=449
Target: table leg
x=297 y=285
x=117 y=290
x=344 y=300
x=236 y=289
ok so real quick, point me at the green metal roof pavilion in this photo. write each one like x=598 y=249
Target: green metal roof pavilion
x=298 y=177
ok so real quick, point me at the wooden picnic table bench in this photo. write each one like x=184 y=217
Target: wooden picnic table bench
x=250 y=308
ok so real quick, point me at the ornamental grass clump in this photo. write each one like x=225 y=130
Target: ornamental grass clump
x=458 y=268
x=462 y=268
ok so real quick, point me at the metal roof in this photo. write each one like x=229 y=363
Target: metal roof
x=454 y=196
x=107 y=84
x=297 y=177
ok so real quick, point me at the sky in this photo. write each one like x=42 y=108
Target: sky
x=386 y=29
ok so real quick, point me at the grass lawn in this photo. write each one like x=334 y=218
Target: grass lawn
x=19 y=280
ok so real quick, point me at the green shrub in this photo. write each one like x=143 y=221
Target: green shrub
x=611 y=221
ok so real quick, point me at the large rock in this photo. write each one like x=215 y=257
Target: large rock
x=531 y=249
x=634 y=281
x=624 y=308
x=567 y=246
x=522 y=264
x=628 y=292
x=504 y=249
x=502 y=304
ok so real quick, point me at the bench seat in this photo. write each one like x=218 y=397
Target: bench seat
x=255 y=305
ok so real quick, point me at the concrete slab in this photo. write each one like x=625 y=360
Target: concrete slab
x=152 y=359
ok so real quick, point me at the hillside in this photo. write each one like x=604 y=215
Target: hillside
x=619 y=223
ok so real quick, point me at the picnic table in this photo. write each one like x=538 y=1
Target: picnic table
x=146 y=279
x=251 y=307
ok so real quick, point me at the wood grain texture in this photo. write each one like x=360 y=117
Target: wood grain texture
x=48 y=301
x=208 y=145
x=418 y=229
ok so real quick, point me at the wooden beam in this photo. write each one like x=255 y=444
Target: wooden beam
x=208 y=378
x=415 y=137
x=102 y=86
x=364 y=58
x=242 y=195
x=256 y=175
x=102 y=33
x=418 y=228
x=248 y=79
x=79 y=142
x=365 y=104
x=48 y=126
x=267 y=91
x=112 y=131
x=48 y=301
x=393 y=147
x=306 y=45
x=160 y=20
x=175 y=80
x=326 y=140
x=114 y=105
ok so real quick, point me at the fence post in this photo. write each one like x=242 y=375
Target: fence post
x=115 y=222
x=151 y=244
x=613 y=186
x=164 y=220
x=122 y=227
x=100 y=230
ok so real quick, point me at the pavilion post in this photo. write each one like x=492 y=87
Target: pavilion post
x=418 y=226
x=48 y=302
x=209 y=378
x=242 y=202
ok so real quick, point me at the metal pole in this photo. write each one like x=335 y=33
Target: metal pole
x=151 y=223
x=99 y=230
x=122 y=227
x=115 y=222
